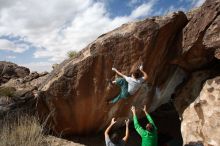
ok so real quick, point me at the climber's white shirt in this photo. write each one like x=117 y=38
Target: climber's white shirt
x=133 y=84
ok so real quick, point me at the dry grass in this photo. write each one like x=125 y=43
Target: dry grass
x=23 y=130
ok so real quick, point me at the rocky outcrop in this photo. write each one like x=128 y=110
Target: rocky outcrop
x=200 y=48
x=189 y=90
x=200 y=52
x=76 y=91
x=17 y=94
x=55 y=141
x=78 y=87
x=10 y=70
x=26 y=84
x=178 y=52
x=200 y=37
x=201 y=119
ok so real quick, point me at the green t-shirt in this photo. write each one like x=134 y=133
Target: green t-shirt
x=148 y=138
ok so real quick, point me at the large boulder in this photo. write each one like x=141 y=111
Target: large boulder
x=55 y=141
x=75 y=93
x=190 y=90
x=10 y=70
x=16 y=94
x=26 y=84
x=200 y=38
x=201 y=119
x=179 y=53
x=200 y=49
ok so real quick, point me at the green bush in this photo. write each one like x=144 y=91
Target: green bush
x=7 y=91
x=72 y=54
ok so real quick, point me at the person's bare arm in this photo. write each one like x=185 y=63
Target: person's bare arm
x=144 y=73
x=133 y=110
x=127 y=130
x=137 y=126
x=119 y=73
x=149 y=117
x=109 y=127
x=145 y=110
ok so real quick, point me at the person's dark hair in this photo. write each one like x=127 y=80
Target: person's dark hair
x=149 y=127
x=115 y=138
x=136 y=74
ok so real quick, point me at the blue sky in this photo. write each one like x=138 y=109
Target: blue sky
x=37 y=34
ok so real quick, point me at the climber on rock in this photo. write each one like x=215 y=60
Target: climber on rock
x=115 y=139
x=148 y=135
x=129 y=85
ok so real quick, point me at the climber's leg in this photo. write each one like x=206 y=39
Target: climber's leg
x=117 y=98
x=124 y=89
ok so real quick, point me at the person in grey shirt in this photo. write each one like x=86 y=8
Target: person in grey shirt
x=115 y=140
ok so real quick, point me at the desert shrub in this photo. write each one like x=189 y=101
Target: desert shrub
x=23 y=130
x=7 y=91
x=72 y=54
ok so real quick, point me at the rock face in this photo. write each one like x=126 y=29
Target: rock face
x=217 y=53
x=26 y=84
x=200 y=37
x=10 y=70
x=54 y=141
x=201 y=119
x=190 y=89
x=179 y=53
x=200 y=42
x=17 y=94
x=76 y=91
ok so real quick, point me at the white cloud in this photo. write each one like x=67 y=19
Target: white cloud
x=38 y=66
x=174 y=9
x=143 y=10
x=54 y=27
x=133 y=2
x=199 y=3
x=194 y=3
x=10 y=57
x=10 y=46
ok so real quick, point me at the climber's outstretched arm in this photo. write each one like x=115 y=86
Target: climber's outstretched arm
x=149 y=117
x=109 y=127
x=137 y=126
x=119 y=73
x=144 y=73
x=127 y=130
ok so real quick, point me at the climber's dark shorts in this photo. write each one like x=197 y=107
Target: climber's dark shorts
x=124 y=89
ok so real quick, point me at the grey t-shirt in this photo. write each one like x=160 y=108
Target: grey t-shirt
x=134 y=84
x=108 y=142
